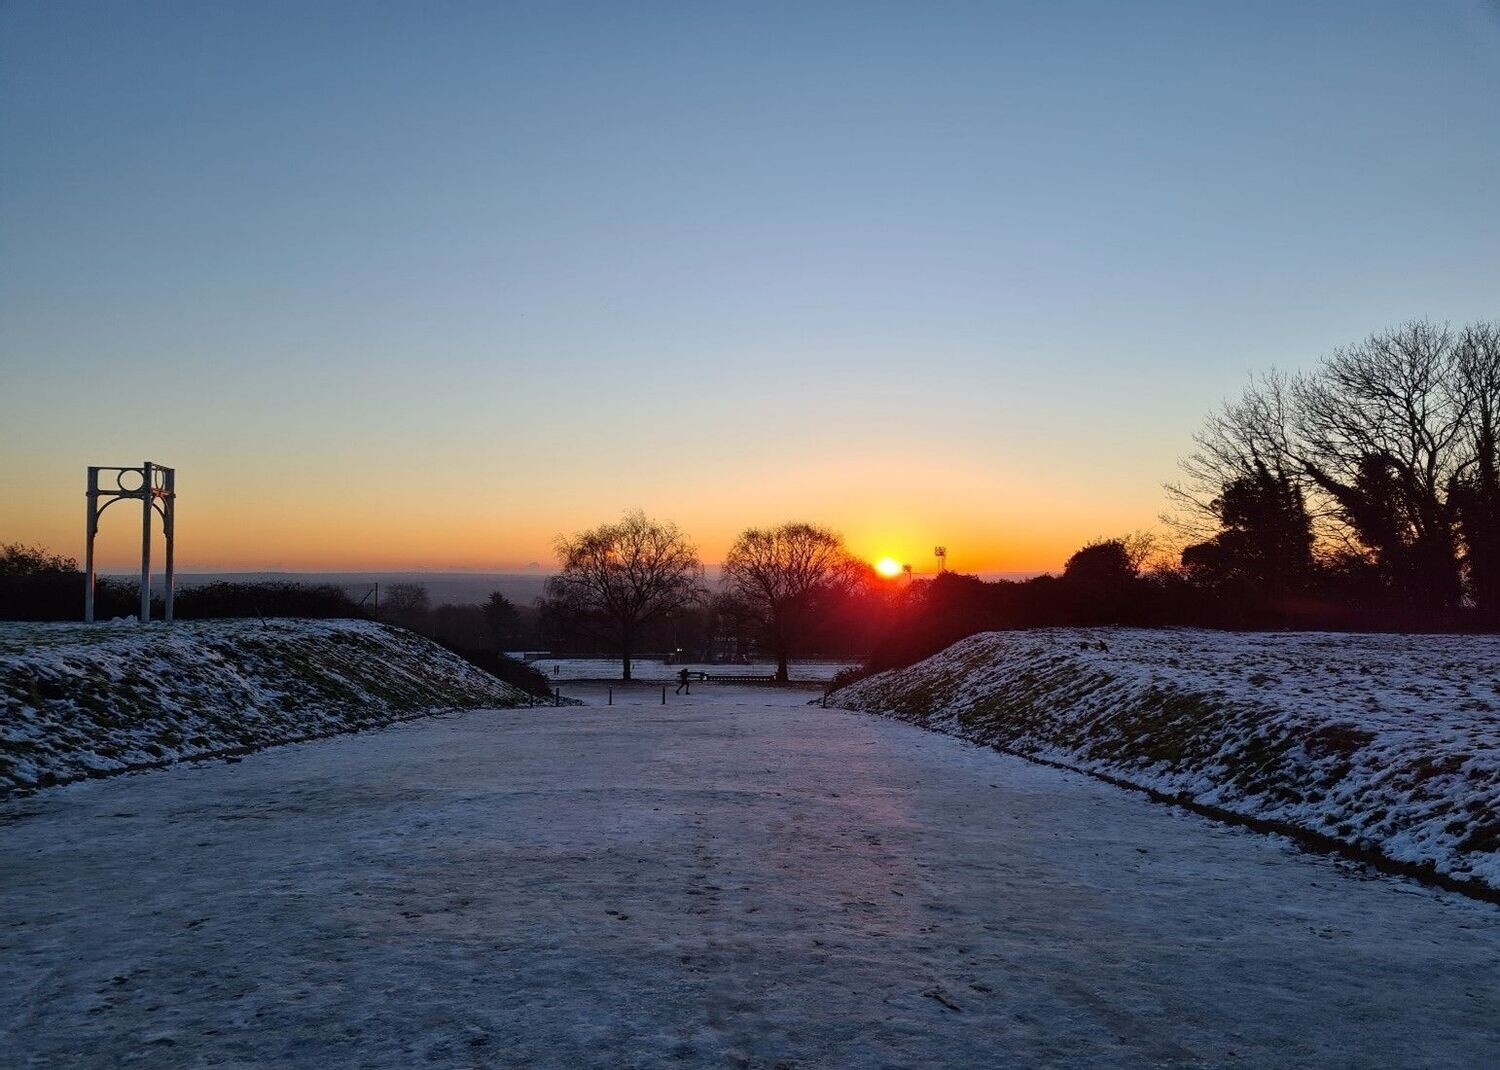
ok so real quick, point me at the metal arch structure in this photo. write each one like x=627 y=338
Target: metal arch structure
x=155 y=487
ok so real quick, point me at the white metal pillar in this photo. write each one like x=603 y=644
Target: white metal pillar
x=146 y=506
x=169 y=525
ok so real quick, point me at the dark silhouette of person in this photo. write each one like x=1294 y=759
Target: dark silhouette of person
x=682 y=681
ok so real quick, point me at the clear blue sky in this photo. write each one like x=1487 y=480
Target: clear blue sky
x=445 y=279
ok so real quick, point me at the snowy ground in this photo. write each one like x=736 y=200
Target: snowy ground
x=735 y=880
x=1387 y=743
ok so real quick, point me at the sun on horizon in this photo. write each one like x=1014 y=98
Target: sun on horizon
x=888 y=567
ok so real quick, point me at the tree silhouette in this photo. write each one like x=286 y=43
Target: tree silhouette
x=623 y=576
x=1265 y=550
x=406 y=604
x=502 y=617
x=782 y=575
x=1475 y=488
x=18 y=559
x=1379 y=429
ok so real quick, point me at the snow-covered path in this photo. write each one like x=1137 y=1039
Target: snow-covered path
x=732 y=880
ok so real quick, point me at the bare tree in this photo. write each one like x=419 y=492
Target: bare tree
x=622 y=576
x=406 y=604
x=1474 y=491
x=1378 y=428
x=1247 y=440
x=780 y=575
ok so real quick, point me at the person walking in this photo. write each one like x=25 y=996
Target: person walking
x=682 y=682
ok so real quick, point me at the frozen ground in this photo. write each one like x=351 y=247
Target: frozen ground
x=737 y=880
x=1386 y=743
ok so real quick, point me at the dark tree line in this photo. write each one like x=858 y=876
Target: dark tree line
x=1107 y=582
x=481 y=634
x=38 y=585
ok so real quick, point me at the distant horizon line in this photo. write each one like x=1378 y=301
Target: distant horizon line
x=521 y=573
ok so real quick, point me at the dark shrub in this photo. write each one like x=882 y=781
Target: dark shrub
x=223 y=599
x=845 y=677
x=514 y=672
x=58 y=596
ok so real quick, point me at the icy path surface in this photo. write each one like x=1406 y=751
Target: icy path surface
x=732 y=880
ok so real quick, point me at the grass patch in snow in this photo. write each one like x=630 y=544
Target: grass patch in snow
x=87 y=700
x=1387 y=743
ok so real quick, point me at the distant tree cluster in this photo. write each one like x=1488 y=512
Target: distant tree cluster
x=481 y=634
x=637 y=585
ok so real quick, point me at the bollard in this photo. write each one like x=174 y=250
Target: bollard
x=664 y=694
x=533 y=700
x=557 y=696
x=611 y=696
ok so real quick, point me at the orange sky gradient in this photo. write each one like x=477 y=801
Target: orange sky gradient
x=370 y=518
x=410 y=293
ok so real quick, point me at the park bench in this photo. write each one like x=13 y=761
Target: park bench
x=736 y=678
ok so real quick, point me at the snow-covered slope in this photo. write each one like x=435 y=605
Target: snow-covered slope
x=1388 y=743
x=86 y=700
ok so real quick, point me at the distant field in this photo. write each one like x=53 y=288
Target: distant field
x=653 y=670
x=1386 y=743
x=460 y=588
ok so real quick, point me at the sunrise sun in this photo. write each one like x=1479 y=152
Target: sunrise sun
x=888 y=567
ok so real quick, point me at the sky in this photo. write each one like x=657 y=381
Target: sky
x=426 y=285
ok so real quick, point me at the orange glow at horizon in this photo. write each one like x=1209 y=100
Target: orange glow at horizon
x=338 y=515
x=888 y=567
